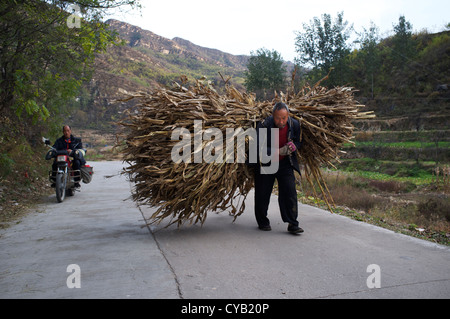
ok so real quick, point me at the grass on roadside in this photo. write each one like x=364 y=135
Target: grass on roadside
x=406 y=205
x=23 y=179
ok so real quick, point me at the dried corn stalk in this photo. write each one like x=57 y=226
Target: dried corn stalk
x=185 y=192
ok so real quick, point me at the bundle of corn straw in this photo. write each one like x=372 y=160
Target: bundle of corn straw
x=185 y=192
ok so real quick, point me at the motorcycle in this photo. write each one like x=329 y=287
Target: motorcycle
x=64 y=176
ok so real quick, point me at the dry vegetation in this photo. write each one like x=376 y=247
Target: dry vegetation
x=420 y=211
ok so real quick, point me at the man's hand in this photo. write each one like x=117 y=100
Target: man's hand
x=288 y=149
x=291 y=146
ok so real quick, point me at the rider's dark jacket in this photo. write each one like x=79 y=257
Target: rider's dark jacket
x=72 y=143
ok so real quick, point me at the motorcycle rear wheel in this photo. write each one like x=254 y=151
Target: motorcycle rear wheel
x=60 y=187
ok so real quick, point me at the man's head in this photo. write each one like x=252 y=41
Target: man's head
x=67 y=131
x=280 y=114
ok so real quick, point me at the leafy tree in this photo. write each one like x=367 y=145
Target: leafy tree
x=266 y=73
x=323 y=45
x=370 y=56
x=45 y=56
x=403 y=45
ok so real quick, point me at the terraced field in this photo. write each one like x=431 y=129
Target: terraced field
x=400 y=146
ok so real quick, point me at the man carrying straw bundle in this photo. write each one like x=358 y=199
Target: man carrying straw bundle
x=288 y=143
x=185 y=191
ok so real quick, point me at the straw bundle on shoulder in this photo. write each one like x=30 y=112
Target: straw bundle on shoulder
x=185 y=192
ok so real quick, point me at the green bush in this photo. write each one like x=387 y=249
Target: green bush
x=6 y=165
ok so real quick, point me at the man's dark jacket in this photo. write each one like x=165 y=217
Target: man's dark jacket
x=294 y=131
x=72 y=143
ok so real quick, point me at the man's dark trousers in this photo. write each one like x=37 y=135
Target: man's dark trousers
x=287 y=194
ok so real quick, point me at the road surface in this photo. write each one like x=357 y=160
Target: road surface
x=96 y=245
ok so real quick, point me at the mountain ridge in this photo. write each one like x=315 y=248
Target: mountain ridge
x=137 y=37
x=143 y=62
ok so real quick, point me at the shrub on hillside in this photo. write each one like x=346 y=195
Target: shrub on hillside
x=392 y=186
x=435 y=208
x=353 y=197
x=386 y=186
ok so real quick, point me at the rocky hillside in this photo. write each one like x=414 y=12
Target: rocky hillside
x=136 y=37
x=144 y=61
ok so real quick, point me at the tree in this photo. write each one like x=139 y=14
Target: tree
x=323 y=45
x=369 y=53
x=403 y=43
x=44 y=56
x=266 y=73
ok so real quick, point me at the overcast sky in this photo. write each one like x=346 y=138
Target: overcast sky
x=242 y=26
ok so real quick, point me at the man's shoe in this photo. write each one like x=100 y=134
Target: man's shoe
x=294 y=229
x=265 y=228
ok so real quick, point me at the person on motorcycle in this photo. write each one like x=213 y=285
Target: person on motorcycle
x=73 y=146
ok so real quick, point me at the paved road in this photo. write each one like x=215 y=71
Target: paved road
x=102 y=232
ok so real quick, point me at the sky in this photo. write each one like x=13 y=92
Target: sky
x=243 y=26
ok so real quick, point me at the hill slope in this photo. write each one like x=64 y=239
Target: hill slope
x=410 y=138
x=144 y=61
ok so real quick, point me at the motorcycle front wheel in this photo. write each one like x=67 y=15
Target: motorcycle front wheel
x=60 y=187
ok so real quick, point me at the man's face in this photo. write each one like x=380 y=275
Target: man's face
x=280 y=118
x=67 y=131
